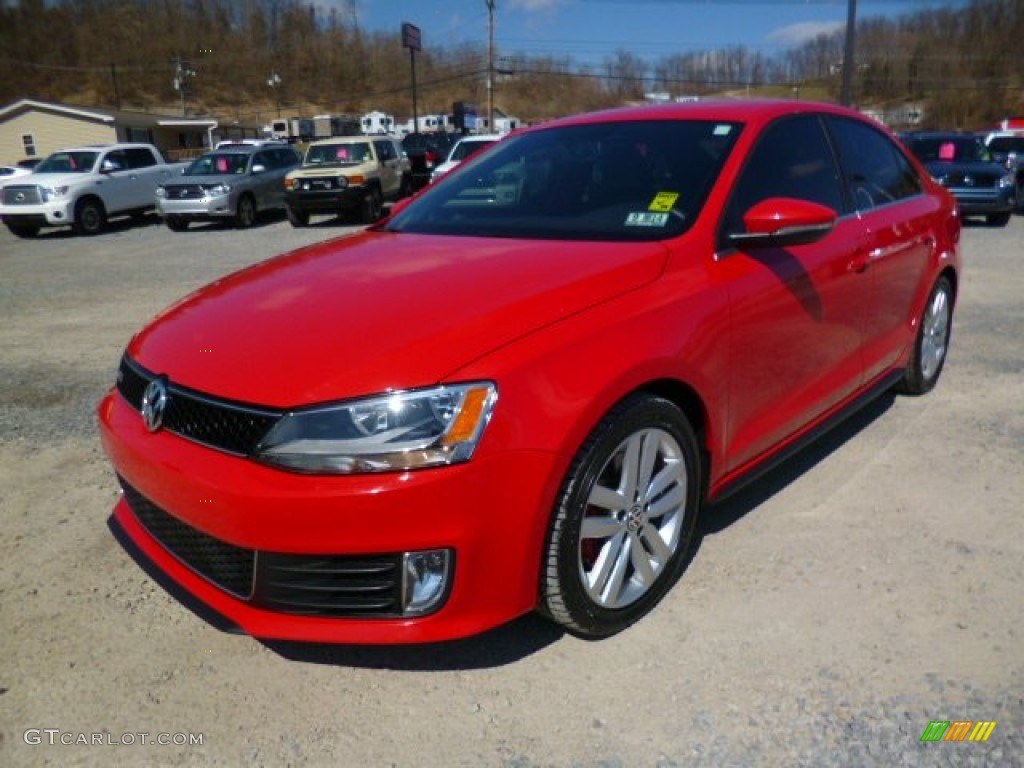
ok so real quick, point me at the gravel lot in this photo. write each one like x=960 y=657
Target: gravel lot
x=831 y=611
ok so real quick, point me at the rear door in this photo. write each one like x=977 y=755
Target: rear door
x=797 y=313
x=898 y=219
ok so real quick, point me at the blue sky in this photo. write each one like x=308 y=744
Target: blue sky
x=588 y=30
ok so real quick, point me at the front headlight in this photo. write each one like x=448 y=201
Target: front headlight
x=392 y=432
x=1007 y=181
x=53 y=193
x=218 y=189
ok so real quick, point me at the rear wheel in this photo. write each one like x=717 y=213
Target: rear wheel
x=932 y=341
x=245 y=215
x=624 y=519
x=297 y=218
x=23 y=230
x=90 y=216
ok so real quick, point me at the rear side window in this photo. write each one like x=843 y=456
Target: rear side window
x=384 y=150
x=792 y=159
x=876 y=172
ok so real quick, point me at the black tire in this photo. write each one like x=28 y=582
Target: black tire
x=406 y=188
x=932 y=342
x=90 y=216
x=176 y=223
x=603 y=517
x=297 y=218
x=245 y=214
x=372 y=206
x=997 y=219
x=23 y=230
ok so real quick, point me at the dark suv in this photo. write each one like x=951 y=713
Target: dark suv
x=960 y=162
x=425 y=152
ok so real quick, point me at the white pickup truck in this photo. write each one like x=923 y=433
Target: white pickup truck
x=82 y=187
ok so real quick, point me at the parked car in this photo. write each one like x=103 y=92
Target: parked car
x=462 y=149
x=343 y=174
x=83 y=187
x=234 y=184
x=520 y=390
x=960 y=162
x=1007 y=148
x=425 y=152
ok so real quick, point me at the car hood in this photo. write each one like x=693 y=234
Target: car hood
x=184 y=179
x=378 y=311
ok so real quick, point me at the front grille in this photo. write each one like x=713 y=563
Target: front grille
x=227 y=566
x=21 y=194
x=184 y=191
x=972 y=180
x=318 y=184
x=233 y=427
x=332 y=586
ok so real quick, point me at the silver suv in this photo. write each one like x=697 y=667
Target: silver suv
x=234 y=183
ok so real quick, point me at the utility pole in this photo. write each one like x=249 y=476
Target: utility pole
x=274 y=81
x=183 y=71
x=846 y=96
x=413 y=40
x=490 y=65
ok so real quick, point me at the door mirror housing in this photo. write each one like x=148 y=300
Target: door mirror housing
x=782 y=222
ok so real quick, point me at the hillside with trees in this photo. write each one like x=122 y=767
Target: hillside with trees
x=249 y=60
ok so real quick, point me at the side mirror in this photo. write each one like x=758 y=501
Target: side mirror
x=258 y=168
x=782 y=222
x=109 y=166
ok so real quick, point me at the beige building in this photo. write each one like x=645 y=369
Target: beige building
x=30 y=128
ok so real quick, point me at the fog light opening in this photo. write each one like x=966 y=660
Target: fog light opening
x=424 y=580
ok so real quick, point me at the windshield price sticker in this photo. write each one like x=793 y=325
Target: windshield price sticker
x=646 y=219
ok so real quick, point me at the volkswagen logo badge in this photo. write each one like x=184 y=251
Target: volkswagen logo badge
x=154 y=403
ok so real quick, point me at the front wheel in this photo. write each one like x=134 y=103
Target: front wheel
x=176 y=223
x=297 y=218
x=245 y=215
x=932 y=341
x=997 y=219
x=624 y=519
x=372 y=206
x=90 y=217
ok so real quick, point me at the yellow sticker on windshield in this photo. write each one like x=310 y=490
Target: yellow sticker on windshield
x=663 y=202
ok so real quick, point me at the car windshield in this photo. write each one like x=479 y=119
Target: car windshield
x=219 y=164
x=950 y=149
x=1007 y=144
x=464 y=149
x=338 y=154
x=639 y=180
x=68 y=162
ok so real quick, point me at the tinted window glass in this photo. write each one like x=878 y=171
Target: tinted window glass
x=384 y=150
x=792 y=159
x=139 y=158
x=640 y=180
x=876 y=171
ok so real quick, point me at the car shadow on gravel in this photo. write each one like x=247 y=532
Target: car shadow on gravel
x=112 y=227
x=720 y=515
x=528 y=634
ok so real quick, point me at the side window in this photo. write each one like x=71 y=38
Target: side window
x=875 y=170
x=116 y=160
x=139 y=158
x=264 y=159
x=384 y=150
x=791 y=159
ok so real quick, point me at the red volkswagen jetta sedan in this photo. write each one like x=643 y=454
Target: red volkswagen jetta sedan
x=518 y=391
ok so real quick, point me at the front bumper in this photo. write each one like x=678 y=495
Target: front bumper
x=976 y=203
x=326 y=201
x=197 y=208
x=56 y=213
x=236 y=508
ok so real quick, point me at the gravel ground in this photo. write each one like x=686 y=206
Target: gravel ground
x=832 y=610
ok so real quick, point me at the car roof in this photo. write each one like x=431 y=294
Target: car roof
x=347 y=140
